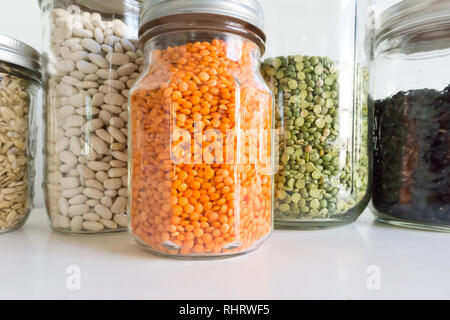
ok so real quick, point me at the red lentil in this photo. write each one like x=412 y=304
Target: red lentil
x=205 y=205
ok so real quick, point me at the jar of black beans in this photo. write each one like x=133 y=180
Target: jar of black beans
x=412 y=158
x=411 y=186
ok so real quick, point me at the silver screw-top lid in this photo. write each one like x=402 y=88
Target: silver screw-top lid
x=411 y=14
x=20 y=54
x=249 y=11
x=414 y=27
x=120 y=7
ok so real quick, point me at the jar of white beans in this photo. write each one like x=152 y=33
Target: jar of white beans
x=91 y=61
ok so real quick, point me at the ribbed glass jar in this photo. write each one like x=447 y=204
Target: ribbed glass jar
x=412 y=116
x=317 y=66
x=20 y=81
x=91 y=60
x=201 y=120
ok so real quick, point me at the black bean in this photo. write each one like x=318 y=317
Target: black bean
x=412 y=157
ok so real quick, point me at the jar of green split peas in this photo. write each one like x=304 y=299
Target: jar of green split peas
x=318 y=72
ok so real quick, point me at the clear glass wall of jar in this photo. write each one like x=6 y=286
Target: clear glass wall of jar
x=412 y=116
x=91 y=60
x=20 y=80
x=201 y=120
x=317 y=65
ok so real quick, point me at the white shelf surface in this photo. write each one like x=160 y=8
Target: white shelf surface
x=326 y=264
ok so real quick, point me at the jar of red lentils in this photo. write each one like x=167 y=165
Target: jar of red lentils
x=201 y=130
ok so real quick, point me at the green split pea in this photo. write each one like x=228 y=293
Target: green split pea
x=321 y=173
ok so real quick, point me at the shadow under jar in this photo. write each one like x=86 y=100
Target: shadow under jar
x=91 y=61
x=201 y=120
x=412 y=116
x=317 y=67
x=20 y=81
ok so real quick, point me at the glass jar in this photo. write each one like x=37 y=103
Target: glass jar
x=201 y=140
x=20 y=81
x=91 y=60
x=412 y=116
x=317 y=66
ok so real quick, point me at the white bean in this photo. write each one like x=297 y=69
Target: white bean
x=79 y=199
x=127 y=69
x=76 y=224
x=90 y=216
x=108 y=74
x=63 y=206
x=109 y=224
x=68 y=157
x=65 y=65
x=112 y=184
x=117 y=172
x=78 y=55
x=121 y=220
x=93 y=193
x=117 y=58
x=103 y=211
x=78 y=210
x=63 y=222
x=70 y=182
x=92 y=126
x=87 y=67
x=101 y=176
x=82 y=33
x=93 y=226
x=62 y=144
x=65 y=89
x=98 y=166
x=98 y=60
x=98 y=34
x=70 y=193
x=93 y=66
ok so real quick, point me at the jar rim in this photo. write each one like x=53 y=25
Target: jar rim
x=103 y=6
x=410 y=16
x=18 y=53
x=201 y=23
x=163 y=16
x=249 y=11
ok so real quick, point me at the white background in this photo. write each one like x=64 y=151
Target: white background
x=21 y=19
x=329 y=264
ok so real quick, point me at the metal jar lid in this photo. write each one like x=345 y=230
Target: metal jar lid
x=120 y=7
x=415 y=23
x=249 y=11
x=20 y=54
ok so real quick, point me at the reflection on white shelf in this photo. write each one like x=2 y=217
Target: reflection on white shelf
x=363 y=260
